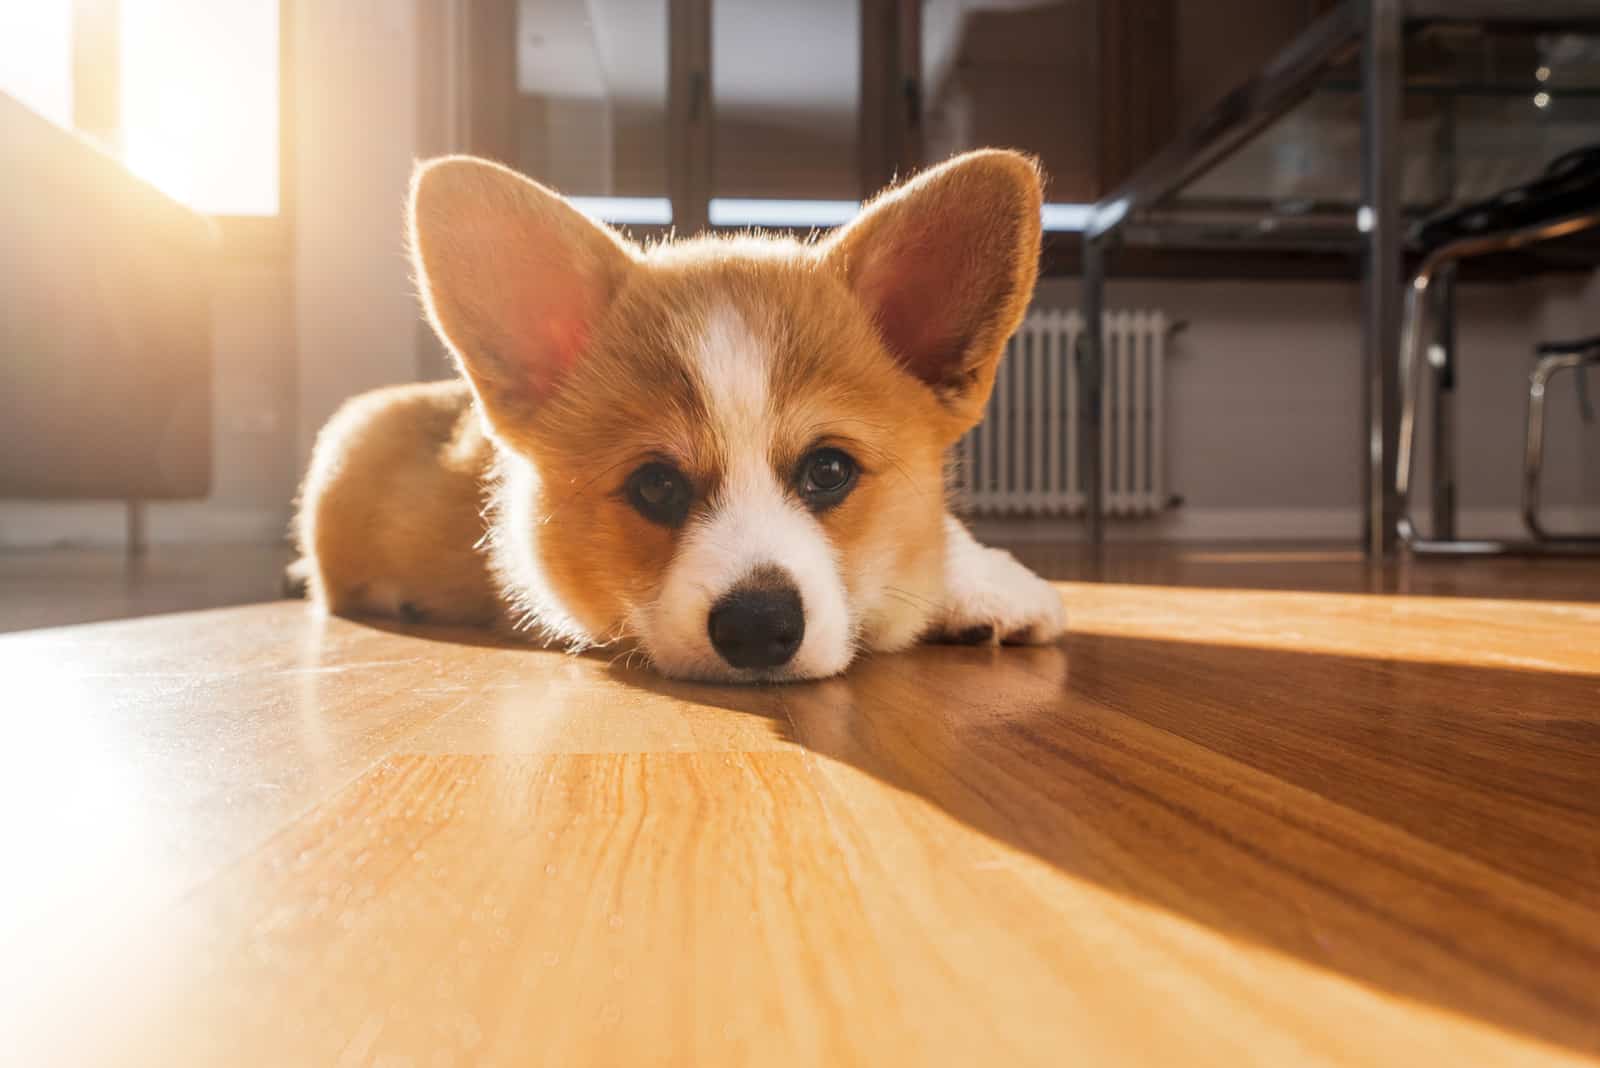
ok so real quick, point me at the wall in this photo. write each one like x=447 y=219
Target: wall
x=253 y=423
x=1264 y=432
x=255 y=396
x=355 y=310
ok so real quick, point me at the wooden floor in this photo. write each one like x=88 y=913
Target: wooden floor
x=54 y=587
x=1299 y=820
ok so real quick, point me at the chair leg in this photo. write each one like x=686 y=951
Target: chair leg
x=1091 y=374
x=1415 y=328
x=135 y=543
x=1413 y=331
x=1442 y=357
x=1533 y=454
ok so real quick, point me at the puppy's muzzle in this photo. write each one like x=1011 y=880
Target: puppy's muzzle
x=760 y=623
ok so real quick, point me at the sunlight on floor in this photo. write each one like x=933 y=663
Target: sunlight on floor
x=1436 y=630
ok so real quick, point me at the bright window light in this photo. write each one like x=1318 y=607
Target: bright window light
x=200 y=101
x=1111 y=214
x=730 y=211
x=734 y=211
x=638 y=210
x=1067 y=218
x=36 y=56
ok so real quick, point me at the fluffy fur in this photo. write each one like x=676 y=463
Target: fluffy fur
x=502 y=498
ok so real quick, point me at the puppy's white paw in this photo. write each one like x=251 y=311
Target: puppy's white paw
x=989 y=597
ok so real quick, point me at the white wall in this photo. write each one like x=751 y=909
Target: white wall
x=355 y=312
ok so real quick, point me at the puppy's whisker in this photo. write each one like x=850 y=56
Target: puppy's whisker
x=574 y=494
x=910 y=596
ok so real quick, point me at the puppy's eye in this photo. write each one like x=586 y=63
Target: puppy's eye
x=660 y=493
x=826 y=477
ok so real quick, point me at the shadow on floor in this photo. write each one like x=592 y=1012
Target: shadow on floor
x=1428 y=830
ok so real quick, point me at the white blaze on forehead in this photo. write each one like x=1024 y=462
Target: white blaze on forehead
x=732 y=366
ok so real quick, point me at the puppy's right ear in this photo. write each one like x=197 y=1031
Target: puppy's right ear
x=513 y=278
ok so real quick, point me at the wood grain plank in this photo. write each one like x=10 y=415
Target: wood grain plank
x=589 y=705
x=1213 y=826
x=1429 y=714
x=1528 y=635
x=657 y=908
x=1302 y=889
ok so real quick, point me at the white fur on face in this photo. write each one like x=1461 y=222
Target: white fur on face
x=752 y=523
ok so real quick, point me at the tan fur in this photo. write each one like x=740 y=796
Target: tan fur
x=389 y=512
x=577 y=352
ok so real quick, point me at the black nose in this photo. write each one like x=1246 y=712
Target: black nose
x=759 y=623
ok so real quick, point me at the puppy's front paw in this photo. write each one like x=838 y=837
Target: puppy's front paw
x=989 y=597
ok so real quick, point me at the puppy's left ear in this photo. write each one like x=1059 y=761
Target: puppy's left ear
x=513 y=278
x=945 y=265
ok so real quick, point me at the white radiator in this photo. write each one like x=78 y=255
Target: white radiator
x=1023 y=458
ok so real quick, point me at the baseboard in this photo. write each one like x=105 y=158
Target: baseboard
x=103 y=524
x=1506 y=523
x=1188 y=524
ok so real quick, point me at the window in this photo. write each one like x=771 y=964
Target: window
x=200 y=101
x=792 y=120
x=195 y=105
x=36 y=56
x=590 y=107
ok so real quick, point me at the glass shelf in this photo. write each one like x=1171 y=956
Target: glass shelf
x=1485 y=108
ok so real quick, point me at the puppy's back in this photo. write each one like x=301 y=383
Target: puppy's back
x=389 y=513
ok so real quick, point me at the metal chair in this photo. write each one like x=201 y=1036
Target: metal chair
x=1564 y=201
x=1554 y=356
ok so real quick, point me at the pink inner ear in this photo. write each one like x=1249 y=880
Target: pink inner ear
x=548 y=338
x=551 y=325
x=910 y=293
x=568 y=335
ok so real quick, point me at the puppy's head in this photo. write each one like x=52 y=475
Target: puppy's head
x=727 y=451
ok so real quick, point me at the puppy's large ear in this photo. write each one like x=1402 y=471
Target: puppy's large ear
x=513 y=278
x=946 y=264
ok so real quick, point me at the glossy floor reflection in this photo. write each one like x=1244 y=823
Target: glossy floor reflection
x=1213 y=826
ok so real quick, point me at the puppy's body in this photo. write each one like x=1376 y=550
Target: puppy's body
x=727 y=452
x=391 y=510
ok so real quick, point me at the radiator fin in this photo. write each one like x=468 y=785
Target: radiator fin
x=1022 y=459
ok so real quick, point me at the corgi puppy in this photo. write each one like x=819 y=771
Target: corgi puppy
x=724 y=452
